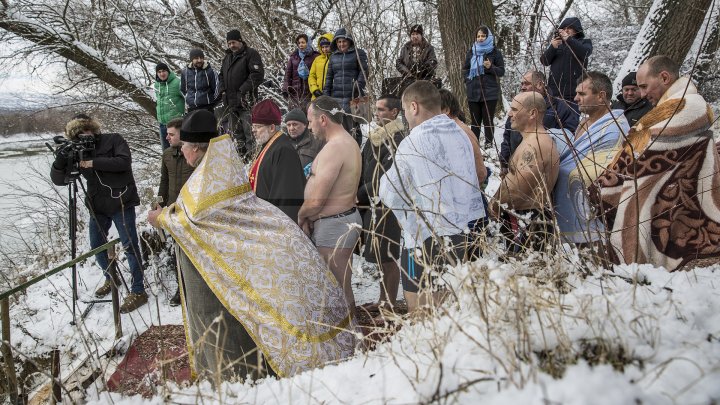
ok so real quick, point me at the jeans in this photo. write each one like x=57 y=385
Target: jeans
x=163 y=137
x=125 y=224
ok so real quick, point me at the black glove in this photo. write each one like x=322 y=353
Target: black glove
x=317 y=93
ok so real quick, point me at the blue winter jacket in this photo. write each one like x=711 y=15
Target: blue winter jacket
x=201 y=87
x=346 y=72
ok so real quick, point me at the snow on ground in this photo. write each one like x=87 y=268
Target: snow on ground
x=509 y=332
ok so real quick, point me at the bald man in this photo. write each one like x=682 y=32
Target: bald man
x=533 y=168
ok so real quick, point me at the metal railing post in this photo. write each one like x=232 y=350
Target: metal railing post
x=7 y=352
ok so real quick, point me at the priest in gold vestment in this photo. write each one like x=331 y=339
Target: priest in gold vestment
x=257 y=296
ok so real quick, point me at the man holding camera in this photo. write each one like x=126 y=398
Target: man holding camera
x=111 y=196
x=567 y=56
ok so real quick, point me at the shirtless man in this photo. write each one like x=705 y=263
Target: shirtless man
x=329 y=214
x=533 y=168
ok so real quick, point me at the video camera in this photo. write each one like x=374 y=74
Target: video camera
x=74 y=151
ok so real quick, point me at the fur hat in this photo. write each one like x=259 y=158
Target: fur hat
x=196 y=53
x=161 y=66
x=233 y=35
x=630 y=79
x=417 y=28
x=79 y=124
x=200 y=126
x=296 y=115
x=266 y=112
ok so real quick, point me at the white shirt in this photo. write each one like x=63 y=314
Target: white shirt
x=432 y=184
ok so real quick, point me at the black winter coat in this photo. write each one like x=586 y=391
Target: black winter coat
x=567 y=63
x=110 y=182
x=280 y=179
x=240 y=77
x=376 y=160
x=346 y=71
x=485 y=87
x=633 y=112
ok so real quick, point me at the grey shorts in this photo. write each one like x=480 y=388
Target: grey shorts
x=337 y=231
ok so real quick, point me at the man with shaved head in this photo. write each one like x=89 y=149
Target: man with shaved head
x=533 y=168
x=661 y=193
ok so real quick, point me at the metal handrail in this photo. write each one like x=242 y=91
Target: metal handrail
x=57 y=269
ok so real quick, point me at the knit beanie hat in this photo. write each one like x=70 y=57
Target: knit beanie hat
x=630 y=79
x=266 y=112
x=161 y=66
x=417 y=28
x=325 y=42
x=200 y=126
x=196 y=53
x=296 y=115
x=81 y=123
x=233 y=35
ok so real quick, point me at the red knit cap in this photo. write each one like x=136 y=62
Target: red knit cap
x=266 y=112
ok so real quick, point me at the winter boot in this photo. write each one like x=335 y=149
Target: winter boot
x=104 y=289
x=133 y=301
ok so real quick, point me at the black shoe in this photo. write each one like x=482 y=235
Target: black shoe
x=175 y=300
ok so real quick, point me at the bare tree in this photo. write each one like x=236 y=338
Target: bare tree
x=459 y=21
x=669 y=29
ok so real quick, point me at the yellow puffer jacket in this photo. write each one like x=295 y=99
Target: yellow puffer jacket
x=318 y=70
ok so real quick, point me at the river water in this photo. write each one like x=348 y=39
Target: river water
x=26 y=192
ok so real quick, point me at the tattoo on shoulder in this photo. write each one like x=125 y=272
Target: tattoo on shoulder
x=527 y=157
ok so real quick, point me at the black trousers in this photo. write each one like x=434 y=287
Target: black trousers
x=482 y=113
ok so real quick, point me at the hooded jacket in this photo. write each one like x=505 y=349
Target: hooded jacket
x=201 y=87
x=170 y=100
x=567 y=61
x=110 y=182
x=633 y=112
x=318 y=71
x=422 y=68
x=240 y=76
x=346 y=70
x=293 y=84
x=484 y=87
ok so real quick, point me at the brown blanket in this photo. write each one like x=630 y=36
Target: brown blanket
x=661 y=195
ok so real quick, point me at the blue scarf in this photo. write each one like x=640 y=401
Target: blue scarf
x=479 y=50
x=303 y=70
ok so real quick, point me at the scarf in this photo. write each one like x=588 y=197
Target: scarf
x=479 y=50
x=303 y=70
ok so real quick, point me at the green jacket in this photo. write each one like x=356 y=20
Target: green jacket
x=170 y=101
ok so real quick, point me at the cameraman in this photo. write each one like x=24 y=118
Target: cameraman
x=111 y=196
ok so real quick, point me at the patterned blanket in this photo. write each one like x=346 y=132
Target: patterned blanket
x=661 y=194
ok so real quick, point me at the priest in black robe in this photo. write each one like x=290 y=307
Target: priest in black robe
x=276 y=175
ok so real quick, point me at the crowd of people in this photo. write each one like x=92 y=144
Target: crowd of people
x=266 y=218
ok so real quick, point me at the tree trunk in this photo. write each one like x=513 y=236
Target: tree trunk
x=706 y=70
x=669 y=29
x=459 y=21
